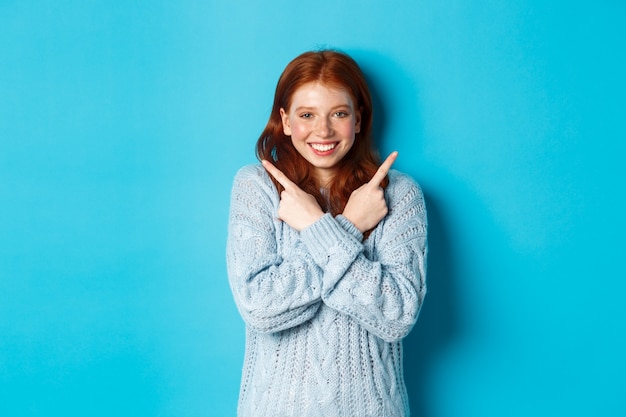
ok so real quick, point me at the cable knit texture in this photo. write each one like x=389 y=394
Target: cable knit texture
x=325 y=312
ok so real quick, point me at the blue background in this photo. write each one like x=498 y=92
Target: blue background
x=122 y=125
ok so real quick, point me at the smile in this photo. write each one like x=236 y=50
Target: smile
x=323 y=147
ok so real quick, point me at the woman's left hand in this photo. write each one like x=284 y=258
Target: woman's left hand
x=366 y=206
x=297 y=208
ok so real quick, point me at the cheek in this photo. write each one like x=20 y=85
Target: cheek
x=347 y=130
x=299 y=130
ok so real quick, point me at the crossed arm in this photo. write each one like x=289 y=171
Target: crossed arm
x=383 y=289
x=366 y=206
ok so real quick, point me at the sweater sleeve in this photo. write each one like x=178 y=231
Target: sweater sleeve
x=382 y=287
x=272 y=293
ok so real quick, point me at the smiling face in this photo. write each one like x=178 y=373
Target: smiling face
x=322 y=123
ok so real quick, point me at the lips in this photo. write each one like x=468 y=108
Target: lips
x=323 y=147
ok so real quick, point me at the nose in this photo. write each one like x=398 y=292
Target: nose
x=324 y=127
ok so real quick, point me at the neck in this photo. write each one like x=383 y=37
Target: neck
x=323 y=178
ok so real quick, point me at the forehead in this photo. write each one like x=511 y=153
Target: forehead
x=316 y=94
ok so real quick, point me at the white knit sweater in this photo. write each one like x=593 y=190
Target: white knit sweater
x=325 y=312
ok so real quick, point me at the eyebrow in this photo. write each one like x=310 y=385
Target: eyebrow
x=340 y=106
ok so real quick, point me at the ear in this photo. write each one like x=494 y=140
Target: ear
x=357 y=117
x=285 y=119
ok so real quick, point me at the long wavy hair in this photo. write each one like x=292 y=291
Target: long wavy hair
x=332 y=69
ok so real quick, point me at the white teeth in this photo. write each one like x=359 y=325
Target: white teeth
x=323 y=148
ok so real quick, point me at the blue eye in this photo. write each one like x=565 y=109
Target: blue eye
x=306 y=115
x=341 y=114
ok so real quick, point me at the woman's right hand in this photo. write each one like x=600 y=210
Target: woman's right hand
x=366 y=206
x=297 y=208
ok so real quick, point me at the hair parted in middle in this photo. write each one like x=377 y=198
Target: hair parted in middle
x=332 y=69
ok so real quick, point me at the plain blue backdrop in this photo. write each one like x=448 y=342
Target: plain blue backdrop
x=123 y=123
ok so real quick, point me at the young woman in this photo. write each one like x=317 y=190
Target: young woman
x=326 y=253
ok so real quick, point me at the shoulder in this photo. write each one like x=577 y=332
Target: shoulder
x=252 y=174
x=401 y=184
x=405 y=199
x=254 y=180
x=404 y=193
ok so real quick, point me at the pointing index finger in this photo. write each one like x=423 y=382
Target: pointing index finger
x=383 y=169
x=277 y=174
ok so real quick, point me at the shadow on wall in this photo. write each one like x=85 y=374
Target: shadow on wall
x=438 y=325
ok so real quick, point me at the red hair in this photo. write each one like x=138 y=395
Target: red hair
x=334 y=70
